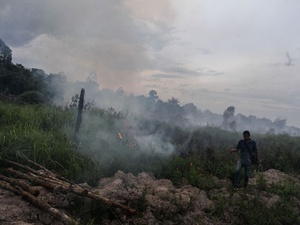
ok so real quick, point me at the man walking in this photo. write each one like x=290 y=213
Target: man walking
x=247 y=147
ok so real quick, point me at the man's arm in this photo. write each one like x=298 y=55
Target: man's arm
x=236 y=149
x=233 y=150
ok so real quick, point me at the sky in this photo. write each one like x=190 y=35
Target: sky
x=212 y=53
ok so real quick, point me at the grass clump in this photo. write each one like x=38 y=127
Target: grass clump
x=286 y=189
x=39 y=133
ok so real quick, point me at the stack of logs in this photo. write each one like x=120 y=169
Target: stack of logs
x=24 y=184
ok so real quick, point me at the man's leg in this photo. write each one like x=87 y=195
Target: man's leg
x=236 y=177
x=247 y=172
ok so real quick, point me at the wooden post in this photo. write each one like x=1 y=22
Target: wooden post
x=79 y=115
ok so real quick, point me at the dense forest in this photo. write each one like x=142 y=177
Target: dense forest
x=34 y=86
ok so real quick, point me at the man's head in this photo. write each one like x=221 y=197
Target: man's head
x=246 y=135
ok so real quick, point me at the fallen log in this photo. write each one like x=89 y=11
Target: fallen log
x=85 y=193
x=46 y=174
x=22 y=167
x=50 y=181
x=20 y=183
x=40 y=204
x=32 y=179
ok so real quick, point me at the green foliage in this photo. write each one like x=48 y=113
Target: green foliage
x=45 y=134
x=30 y=85
x=190 y=170
x=142 y=201
x=279 y=152
x=112 y=141
x=5 y=54
x=261 y=182
x=245 y=210
x=255 y=212
x=221 y=207
x=37 y=133
x=32 y=97
x=286 y=189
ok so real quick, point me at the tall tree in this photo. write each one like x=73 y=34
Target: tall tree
x=5 y=54
x=173 y=101
x=153 y=94
x=227 y=118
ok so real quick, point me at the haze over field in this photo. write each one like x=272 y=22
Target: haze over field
x=211 y=53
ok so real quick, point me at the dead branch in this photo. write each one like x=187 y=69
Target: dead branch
x=83 y=192
x=46 y=207
x=52 y=173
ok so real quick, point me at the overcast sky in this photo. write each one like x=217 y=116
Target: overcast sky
x=212 y=53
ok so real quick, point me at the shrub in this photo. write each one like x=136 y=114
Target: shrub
x=32 y=97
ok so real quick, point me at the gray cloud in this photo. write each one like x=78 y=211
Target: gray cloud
x=77 y=37
x=170 y=66
x=204 y=51
x=168 y=76
x=19 y=23
x=22 y=21
x=208 y=72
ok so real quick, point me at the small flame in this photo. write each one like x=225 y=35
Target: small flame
x=120 y=135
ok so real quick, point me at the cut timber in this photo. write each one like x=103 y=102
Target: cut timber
x=53 y=181
x=20 y=183
x=38 y=203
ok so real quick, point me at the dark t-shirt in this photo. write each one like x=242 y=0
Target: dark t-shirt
x=244 y=153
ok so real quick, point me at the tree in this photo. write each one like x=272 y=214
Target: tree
x=5 y=54
x=227 y=116
x=190 y=109
x=32 y=97
x=120 y=92
x=173 y=101
x=229 y=112
x=279 y=123
x=153 y=94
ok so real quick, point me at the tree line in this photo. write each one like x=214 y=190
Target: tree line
x=34 y=86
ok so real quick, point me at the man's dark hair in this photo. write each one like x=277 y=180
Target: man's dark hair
x=246 y=132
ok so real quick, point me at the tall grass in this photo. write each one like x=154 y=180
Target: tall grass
x=45 y=135
x=108 y=143
x=39 y=133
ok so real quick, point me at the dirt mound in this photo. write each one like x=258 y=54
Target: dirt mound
x=155 y=200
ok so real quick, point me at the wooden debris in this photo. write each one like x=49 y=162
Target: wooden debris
x=20 y=183
x=36 y=202
x=24 y=180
